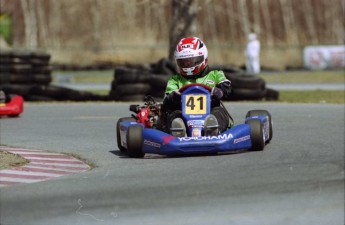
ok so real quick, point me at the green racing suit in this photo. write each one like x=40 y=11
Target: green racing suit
x=211 y=79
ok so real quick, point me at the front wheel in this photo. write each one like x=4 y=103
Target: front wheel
x=261 y=112
x=256 y=134
x=118 y=136
x=135 y=141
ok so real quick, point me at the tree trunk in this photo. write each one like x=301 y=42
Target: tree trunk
x=244 y=17
x=267 y=21
x=28 y=7
x=310 y=22
x=289 y=23
x=96 y=26
x=183 y=15
x=42 y=25
x=256 y=15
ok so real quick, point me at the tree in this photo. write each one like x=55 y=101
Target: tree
x=183 y=15
x=31 y=30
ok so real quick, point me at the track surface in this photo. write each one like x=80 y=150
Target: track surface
x=297 y=179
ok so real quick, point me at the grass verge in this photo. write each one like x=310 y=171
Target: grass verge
x=8 y=160
x=314 y=96
x=304 y=77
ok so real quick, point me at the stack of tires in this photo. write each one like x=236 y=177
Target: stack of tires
x=134 y=82
x=29 y=74
x=246 y=86
x=24 y=67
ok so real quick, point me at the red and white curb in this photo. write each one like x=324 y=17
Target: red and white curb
x=42 y=166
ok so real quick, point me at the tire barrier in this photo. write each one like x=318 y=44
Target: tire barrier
x=37 y=92
x=246 y=86
x=25 y=67
x=29 y=74
x=132 y=83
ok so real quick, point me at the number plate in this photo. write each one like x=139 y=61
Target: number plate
x=195 y=104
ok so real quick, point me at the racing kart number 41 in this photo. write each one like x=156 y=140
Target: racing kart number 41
x=142 y=133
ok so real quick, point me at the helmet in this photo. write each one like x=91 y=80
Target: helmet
x=251 y=36
x=191 y=57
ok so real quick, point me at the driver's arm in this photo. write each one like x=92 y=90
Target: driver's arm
x=225 y=86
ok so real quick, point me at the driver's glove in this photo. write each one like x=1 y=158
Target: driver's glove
x=175 y=96
x=216 y=93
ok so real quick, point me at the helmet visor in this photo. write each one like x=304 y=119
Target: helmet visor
x=190 y=62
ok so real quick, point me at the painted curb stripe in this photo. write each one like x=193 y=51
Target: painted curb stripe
x=55 y=161
x=58 y=166
x=29 y=169
x=42 y=166
x=26 y=176
x=47 y=156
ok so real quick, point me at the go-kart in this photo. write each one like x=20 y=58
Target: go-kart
x=12 y=107
x=141 y=133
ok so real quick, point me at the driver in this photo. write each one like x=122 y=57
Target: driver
x=191 y=58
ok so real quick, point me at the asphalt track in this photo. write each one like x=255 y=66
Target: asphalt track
x=297 y=179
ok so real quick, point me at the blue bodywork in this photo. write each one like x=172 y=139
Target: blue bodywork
x=158 y=142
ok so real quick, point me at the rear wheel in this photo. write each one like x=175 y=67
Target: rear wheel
x=261 y=112
x=131 y=119
x=256 y=134
x=135 y=141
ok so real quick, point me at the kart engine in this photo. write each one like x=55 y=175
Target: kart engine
x=147 y=114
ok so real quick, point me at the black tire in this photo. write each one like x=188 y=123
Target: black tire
x=118 y=137
x=135 y=141
x=16 y=68
x=113 y=95
x=42 y=69
x=165 y=66
x=113 y=85
x=261 y=112
x=18 y=89
x=247 y=94
x=37 y=98
x=271 y=94
x=42 y=78
x=246 y=81
x=256 y=134
x=133 y=89
x=132 y=98
x=159 y=81
x=5 y=78
x=21 y=78
x=130 y=76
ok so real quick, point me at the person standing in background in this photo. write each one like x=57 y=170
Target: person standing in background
x=252 y=54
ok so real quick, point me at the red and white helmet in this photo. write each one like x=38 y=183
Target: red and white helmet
x=191 y=57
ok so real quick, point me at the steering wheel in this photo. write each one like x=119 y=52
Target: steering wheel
x=182 y=89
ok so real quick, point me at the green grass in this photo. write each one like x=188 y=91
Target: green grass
x=314 y=96
x=8 y=160
x=316 y=77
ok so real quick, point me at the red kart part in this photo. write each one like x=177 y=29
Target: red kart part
x=148 y=114
x=12 y=108
x=143 y=117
